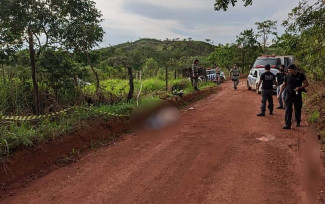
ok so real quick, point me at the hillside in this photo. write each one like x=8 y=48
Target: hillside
x=159 y=50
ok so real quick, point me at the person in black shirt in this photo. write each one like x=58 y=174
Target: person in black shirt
x=267 y=81
x=294 y=83
x=279 y=80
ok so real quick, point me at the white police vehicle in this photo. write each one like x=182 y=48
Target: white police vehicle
x=254 y=78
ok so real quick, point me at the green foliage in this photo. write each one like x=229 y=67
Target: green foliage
x=223 y=4
x=202 y=85
x=305 y=37
x=225 y=56
x=314 y=116
x=72 y=24
x=151 y=85
x=249 y=48
x=136 y=54
x=150 y=68
x=16 y=97
x=59 y=69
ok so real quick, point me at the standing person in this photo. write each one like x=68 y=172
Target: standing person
x=218 y=74
x=279 y=80
x=195 y=73
x=234 y=74
x=294 y=83
x=267 y=81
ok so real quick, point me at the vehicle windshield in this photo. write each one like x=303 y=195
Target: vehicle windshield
x=211 y=71
x=274 y=71
x=265 y=62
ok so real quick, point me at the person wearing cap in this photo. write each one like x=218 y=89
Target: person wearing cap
x=267 y=81
x=294 y=83
x=279 y=80
x=195 y=73
x=234 y=74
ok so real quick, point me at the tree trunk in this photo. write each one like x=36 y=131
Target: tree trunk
x=243 y=63
x=33 y=66
x=96 y=75
x=166 y=79
x=175 y=73
x=264 y=44
x=3 y=73
x=131 y=84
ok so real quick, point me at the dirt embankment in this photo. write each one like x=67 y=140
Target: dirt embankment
x=39 y=160
x=315 y=111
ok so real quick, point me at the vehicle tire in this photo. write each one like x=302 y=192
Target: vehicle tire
x=248 y=87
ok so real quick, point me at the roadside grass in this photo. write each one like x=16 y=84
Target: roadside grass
x=314 y=116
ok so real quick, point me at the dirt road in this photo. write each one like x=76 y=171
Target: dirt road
x=214 y=157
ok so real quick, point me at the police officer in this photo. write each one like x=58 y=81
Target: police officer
x=195 y=73
x=267 y=81
x=218 y=74
x=235 y=75
x=279 y=80
x=294 y=83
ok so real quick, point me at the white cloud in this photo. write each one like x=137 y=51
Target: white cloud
x=181 y=4
x=130 y=24
x=185 y=18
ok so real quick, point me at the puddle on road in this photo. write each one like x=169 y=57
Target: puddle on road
x=266 y=138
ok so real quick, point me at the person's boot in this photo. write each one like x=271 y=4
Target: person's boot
x=261 y=114
x=286 y=127
x=279 y=107
x=271 y=112
x=297 y=124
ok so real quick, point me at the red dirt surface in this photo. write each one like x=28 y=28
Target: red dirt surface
x=34 y=162
x=221 y=152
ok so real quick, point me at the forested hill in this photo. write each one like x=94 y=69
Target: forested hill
x=161 y=51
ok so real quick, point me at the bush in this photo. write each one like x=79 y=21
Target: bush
x=314 y=116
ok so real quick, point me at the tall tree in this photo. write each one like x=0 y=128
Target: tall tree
x=45 y=23
x=83 y=30
x=265 y=29
x=224 y=4
x=249 y=47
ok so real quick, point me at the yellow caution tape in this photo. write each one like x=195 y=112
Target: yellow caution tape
x=35 y=117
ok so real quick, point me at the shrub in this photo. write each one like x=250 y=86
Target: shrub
x=314 y=116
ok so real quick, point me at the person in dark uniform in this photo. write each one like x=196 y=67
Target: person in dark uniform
x=267 y=81
x=217 y=74
x=195 y=73
x=294 y=83
x=234 y=74
x=279 y=80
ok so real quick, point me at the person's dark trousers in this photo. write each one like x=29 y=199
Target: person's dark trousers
x=292 y=99
x=267 y=96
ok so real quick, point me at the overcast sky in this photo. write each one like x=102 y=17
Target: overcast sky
x=130 y=20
